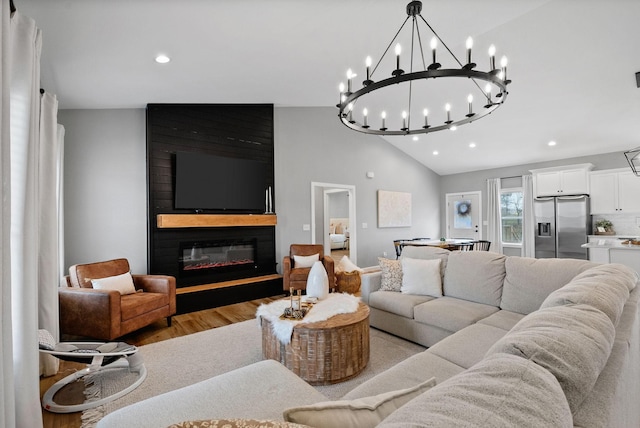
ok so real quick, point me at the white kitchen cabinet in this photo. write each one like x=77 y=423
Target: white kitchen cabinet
x=629 y=258
x=564 y=180
x=614 y=192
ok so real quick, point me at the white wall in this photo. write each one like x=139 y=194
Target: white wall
x=105 y=182
x=312 y=145
x=105 y=197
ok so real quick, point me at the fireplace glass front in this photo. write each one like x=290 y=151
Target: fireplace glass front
x=226 y=255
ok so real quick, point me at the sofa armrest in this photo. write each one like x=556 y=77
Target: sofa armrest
x=371 y=281
x=88 y=312
x=155 y=283
x=164 y=284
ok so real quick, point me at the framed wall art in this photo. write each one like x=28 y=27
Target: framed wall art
x=394 y=209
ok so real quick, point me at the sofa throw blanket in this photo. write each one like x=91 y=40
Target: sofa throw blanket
x=334 y=304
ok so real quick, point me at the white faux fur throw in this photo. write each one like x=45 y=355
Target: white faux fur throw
x=336 y=303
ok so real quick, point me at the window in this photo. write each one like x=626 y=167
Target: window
x=511 y=207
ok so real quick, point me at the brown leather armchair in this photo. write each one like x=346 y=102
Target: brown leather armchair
x=296 y=277
x=106 y=314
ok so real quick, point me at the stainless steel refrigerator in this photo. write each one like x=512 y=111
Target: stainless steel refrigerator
x=562 y=226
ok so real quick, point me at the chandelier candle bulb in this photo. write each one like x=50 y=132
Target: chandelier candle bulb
x=404 y=120
x=384 y=116
x=351 y=113
x=492 y=57
x=368 y=64
x=447 y=107
x=434 y=45
x=470 y=101
x=365 y=112
x=398 y=71
x=487 y=91
x=426 y=118
x=341 y=89
x=350 y=76
x=503 y=65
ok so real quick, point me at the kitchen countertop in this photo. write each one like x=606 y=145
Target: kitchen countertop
x=610 y=242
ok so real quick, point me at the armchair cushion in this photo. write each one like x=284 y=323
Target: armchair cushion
x=82 y=274
x=305 y=261
x=121 y=283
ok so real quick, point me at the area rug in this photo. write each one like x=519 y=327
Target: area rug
x=175 y=363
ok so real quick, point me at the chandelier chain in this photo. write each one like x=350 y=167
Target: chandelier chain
x=387 y=49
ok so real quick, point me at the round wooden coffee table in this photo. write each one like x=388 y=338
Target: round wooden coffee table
x=323 y=352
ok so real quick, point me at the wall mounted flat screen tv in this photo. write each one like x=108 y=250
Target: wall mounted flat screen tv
x=207 y=182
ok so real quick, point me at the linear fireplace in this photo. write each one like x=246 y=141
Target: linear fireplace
x=198 y=258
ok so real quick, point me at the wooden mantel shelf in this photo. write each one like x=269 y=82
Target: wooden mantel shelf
x=165 y=221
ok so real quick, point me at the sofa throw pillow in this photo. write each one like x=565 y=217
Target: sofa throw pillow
x=391 y=279
x=346 y=265
x=500 y=391
x=122 y=283
x=573 y=342
x=421 y=277
x=236 y=423
x=305 y=261
x=366 y=412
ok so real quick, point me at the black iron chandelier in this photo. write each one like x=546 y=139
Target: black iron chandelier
x=492 y=95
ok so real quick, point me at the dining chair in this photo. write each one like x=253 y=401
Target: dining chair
x=481 y=245
x=397 y=244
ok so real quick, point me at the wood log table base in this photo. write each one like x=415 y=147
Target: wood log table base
x=323 y=352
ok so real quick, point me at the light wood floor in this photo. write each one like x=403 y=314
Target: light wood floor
x=182 y=325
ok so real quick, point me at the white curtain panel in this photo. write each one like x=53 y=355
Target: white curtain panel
x=528 y=218
x=49 y=273
x=7 y=379
x=494 y=223
x=21 y=398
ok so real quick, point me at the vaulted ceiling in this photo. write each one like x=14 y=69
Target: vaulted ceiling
x=572 y=62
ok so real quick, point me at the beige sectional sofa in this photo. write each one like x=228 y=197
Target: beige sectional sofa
x=512 y=342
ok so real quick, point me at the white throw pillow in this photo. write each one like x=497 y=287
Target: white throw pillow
x=421 y=277
x=346 y=265
x=305 y=261
x=122 y=283
x=358 y=413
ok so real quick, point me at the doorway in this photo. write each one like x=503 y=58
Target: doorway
x=333 y=219
x=464 y=215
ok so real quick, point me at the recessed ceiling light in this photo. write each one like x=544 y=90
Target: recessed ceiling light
x=472 y=145
x=435 y=152
x=551 y=143
x=453 y=128
x=162 y=59
x=415 y=138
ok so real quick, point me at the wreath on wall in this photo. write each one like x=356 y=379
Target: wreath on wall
x=463 y=208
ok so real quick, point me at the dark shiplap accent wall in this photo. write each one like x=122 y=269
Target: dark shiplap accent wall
x=230 y=130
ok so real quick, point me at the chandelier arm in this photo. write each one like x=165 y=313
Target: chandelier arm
x=441 y=41
x=391 y=43
x=424 y=64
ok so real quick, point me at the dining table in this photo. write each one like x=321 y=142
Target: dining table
x=447 y=244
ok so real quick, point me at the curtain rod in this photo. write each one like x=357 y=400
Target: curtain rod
x=511 y=176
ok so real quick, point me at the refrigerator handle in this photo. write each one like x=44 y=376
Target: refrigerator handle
x=571 y=198
x=546 y=198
